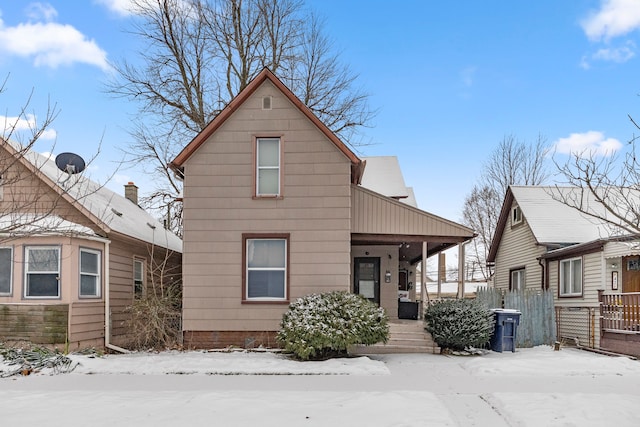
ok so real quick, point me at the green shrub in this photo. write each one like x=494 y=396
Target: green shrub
x=320 y=326
x=458 y=324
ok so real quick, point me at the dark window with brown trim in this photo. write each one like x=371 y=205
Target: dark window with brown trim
x=265 y=276
x=6 y=270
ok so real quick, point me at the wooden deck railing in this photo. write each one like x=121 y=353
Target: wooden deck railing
x=620 y=312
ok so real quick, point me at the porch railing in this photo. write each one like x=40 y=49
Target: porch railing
x=620 y=312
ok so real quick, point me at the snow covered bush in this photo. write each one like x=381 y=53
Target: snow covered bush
x=459 y=323
x=320 y=326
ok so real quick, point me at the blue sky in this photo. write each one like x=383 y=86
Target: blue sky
x=449 y=79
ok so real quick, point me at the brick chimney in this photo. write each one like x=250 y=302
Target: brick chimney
x=131 y=192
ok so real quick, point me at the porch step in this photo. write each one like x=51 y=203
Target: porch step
x=404 y=337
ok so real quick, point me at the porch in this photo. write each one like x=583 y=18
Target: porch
x=620 y=322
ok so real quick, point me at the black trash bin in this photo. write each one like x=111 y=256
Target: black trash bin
x=506 y=327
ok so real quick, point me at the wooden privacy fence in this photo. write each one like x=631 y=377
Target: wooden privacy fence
x=620 y=312
x=537 y=321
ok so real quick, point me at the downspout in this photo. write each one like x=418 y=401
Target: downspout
x=543 y=277
x=107 y=303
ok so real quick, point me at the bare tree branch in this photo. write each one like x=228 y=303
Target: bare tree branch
x=199 y=54
x=512 y=162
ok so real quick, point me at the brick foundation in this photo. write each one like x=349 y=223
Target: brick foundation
x=621 y=343
x=224 y=339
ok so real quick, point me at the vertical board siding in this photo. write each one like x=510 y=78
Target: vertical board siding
x=537 y=320
x=376 y=214
x=314 y=209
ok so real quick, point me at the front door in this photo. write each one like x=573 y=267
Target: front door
x=367 y=278
x=630 y=274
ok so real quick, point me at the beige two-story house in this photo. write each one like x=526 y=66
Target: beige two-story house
x=275 y=209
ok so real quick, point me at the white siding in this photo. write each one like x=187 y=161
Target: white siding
x=518 y=248
x=578 y=317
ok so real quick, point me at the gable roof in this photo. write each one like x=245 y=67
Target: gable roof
x=552 y=222
x=383 y=175
x=266 y=75
x=109 y=211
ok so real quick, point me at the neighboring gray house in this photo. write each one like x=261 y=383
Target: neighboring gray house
x=592 y=268
x=275 y=208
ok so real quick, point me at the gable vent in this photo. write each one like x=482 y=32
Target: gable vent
x=266 y=103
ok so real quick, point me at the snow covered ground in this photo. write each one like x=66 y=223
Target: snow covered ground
x=532 y=387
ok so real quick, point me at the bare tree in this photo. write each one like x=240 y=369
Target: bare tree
x=26 y=206
x=480 y=212
x=606 y=188
x=516 y=162
x=199 y=54
x=512 y=162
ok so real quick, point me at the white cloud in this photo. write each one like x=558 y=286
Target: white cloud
x=615 y=18
x=588 y=143
x=28 y=123
x=619 y=54
x=120 y=7
x=41 y=12
x=50 y=44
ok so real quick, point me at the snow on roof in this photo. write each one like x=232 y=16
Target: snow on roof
x=17 y=223
x=117 y=212
x=382 y=174
x=411 y=200
x=552 y=221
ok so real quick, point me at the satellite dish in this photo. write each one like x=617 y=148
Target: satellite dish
x=70 y=163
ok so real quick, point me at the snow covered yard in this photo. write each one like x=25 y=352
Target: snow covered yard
x=532 y=387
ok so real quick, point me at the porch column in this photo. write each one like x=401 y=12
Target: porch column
x=423 y=279
x=460 y=270
x=442 y=272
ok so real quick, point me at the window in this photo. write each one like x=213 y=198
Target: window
x=267 y=166
x=6 y=270
x=89 y=273
x=42 y=272
x=571 y=277
x=516 y=215
x=138 y=277
x=266 y=261
x=517 y=280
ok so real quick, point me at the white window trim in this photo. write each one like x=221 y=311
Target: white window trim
x=516 y=215
x=26 y=271
x=522 y=283
x=97 y=275
x=561 y=267
x=143 y=263
x=259 y=168
x=284 y=269
x=10 y=248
